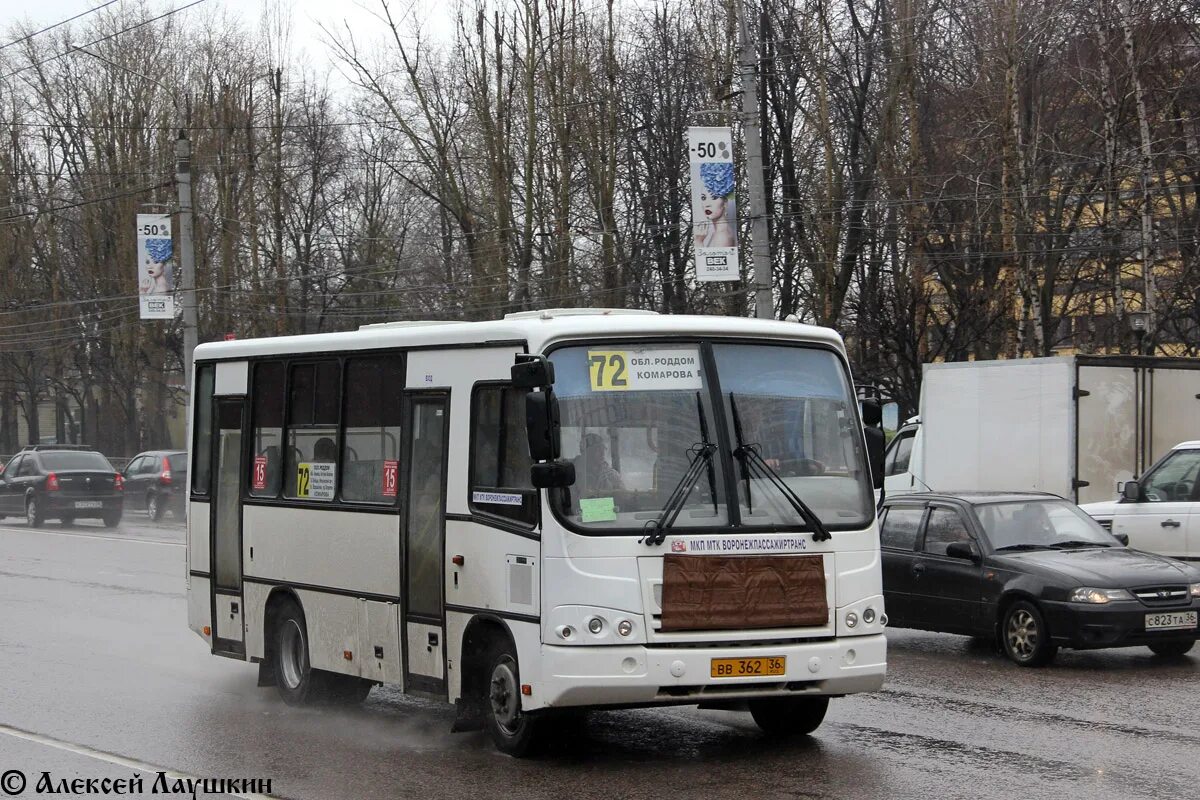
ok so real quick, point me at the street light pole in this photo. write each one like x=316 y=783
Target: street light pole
x=187 y=254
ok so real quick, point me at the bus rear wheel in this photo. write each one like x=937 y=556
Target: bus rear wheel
x=513 y=731
x=298 y=683
x=789 y=716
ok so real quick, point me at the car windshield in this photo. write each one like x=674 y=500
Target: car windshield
x=1041 y=523
x=632 y=420
x=636 y=417
x=66 y=460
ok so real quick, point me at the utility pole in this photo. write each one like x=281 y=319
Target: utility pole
x=760 y=233
x=187 y=255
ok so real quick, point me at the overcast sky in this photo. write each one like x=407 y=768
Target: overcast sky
x=307 y=15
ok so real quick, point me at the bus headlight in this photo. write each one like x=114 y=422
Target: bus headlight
x=869 y=615
x=624 y=627
x=565 y=631
x=595 y=625
x=851 y=620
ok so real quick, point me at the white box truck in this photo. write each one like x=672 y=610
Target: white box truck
x=1076 y=426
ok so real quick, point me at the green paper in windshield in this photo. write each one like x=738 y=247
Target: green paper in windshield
x=598 y=509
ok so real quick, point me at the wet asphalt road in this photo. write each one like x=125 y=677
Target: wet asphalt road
x=97 y=663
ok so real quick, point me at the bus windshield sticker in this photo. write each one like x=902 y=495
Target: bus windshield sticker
x=497 y=498
x=258 y=479
x=316 y=480
x=598 y=509
x=650 y=370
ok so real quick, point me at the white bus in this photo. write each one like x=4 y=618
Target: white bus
x=560 y=509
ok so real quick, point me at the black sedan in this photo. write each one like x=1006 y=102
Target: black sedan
x=61 y=482
x=1033 y=571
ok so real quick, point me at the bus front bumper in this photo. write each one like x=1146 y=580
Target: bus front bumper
x=644 y=675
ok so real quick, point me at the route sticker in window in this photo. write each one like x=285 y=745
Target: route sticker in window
x=391 y=478
x=258 y=480
x=644 y=370
x=316 y=480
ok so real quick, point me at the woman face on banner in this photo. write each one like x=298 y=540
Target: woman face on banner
x=713 y=206
x=154 y=269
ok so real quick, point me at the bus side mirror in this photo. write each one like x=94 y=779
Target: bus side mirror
x=541 y=423
x=872 y=416
x=532 y=372
x=553 y=474
x=535 y=372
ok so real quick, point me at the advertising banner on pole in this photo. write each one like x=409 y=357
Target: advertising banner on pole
x=156 y=266
x=714 y=210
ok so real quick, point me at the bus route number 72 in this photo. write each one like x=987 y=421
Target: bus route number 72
x=608 y=370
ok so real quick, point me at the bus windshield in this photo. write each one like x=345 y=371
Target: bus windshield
x=635 y=417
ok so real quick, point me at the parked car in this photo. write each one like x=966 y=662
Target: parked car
x=61 y=482
x=156 y=482
x=1161 y=512
x=1033 y=571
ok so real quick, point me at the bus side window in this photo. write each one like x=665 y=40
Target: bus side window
x=372 y=420
x=500 y=483
x=311 y=450
x=267 y=420
x=202 y=430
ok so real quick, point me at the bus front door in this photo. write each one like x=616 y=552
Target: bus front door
x=424 y=543
x=226 y=533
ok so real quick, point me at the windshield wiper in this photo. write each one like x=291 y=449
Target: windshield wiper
x=1072 y=544
x=750 y=458
x=1023 y=546
x=655 y=531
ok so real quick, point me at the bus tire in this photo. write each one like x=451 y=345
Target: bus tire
x=298 y=683
x=789 y=716
x=514 y=732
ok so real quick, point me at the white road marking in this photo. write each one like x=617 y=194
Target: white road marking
x=91 y=536
x=113 y=758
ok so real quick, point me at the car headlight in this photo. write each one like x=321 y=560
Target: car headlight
x=1087 y=594
x=1194 y=590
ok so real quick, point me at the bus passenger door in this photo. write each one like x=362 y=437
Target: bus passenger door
x=226 y=527
x=423 y=539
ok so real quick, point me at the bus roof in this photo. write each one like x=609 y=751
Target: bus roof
x=538 y=328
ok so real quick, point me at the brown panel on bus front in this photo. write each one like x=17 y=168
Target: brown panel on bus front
x=729 y=592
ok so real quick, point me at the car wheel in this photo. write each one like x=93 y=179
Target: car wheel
x=513 y=731
x=1025 y=637
x=112 y=519
x=1172 y=649
x=34 y=514
x=789 y=716
x=154 y=506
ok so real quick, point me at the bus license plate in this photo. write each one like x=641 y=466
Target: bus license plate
x=88 y=504
x=748 y=667
x=1177 y=620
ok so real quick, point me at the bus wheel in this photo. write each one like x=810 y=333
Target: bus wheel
x=789 y=716
x=298 y=683
x=513 y=731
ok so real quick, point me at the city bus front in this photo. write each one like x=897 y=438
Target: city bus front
x=716 y=543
